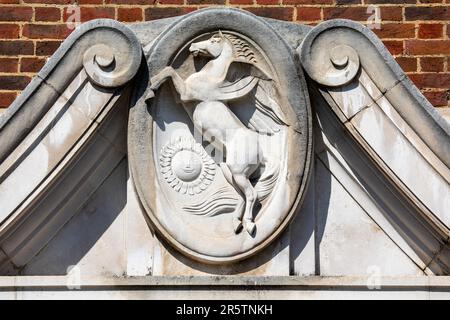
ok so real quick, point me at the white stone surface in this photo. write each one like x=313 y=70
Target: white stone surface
x=372 y=222
x=395 y=150
x=77 y=109
x=220 y=288
x=139 y=237
x=352 y=243
x=94 y=239
x=445 y=112
x=240 y=131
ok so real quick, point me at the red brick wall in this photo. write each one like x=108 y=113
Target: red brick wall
x=417 y=32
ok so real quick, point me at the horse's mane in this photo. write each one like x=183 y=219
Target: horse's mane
x=241 y=49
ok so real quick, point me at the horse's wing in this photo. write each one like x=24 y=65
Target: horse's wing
x=242 y=77
x=259 y=111
x=268 y=106
x=240 y=68
x=229 y=91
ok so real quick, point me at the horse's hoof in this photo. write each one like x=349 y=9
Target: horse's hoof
x=250 y=227
x=154 y=87
x=237 y=225
x=155 y=83
x=150 y=95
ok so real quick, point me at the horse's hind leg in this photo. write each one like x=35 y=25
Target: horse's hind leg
x=250 y=199
x=239 y=212
x=237 y=218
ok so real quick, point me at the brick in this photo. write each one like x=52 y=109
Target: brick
x=49 y=1
x=396 y=30
x=431 y=31
x=46 y=31
x=81 y=2
x=47 y=14
x=390 y=1
x=9 y=1
x=169 y=1
x=432 y=64
x=9 y=31
x=437 y=98
x=241 y=1
x=91 y=13
x=281 y=13
x=16 y=13
x=9 y=65
x=431 y=80
x=395 y=47
x=128 y=2
x=97 y=13
x=200 y=2
x=31 y=64
x=6 y=98
x=344 y=2
x=14 y=82
x=16 y=47
x=308 y=14
x=130 y=14
x=306 y=2
x=159 y=13
x=353 y=13
x=391 y=13
x=427 y=47
x=266 y=2
x=427 y=13
x=408 y=64
x=46 y=48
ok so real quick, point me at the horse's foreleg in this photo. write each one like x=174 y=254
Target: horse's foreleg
x=180 y=85
x=166 y=73
x=161 y=77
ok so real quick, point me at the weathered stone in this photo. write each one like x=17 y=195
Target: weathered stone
x=113 y=176
x=215 y=201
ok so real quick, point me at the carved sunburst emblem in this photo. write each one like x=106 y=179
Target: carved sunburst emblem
x=186 y=166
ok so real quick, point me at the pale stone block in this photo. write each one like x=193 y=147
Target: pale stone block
x=139 y=238
x=395 y=150
x=93 y=241
x=350 y=235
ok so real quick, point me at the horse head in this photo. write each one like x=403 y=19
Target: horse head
x=211 y=48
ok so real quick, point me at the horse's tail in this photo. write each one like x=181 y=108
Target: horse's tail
x=268 y=178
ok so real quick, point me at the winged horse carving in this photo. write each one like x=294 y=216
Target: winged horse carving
x=231 y=73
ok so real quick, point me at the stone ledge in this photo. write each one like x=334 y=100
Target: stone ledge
x=313 y=282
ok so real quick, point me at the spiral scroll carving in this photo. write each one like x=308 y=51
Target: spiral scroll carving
x=327 y=61
x=114 y=59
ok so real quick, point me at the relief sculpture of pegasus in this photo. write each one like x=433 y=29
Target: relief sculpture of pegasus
x=231 y=73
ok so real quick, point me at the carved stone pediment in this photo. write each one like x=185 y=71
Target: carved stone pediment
x=222 y=143
x=221 y=140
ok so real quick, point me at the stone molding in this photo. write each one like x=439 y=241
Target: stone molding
x=290 y=81
x=388 y=118
x=53 y=122
x=377 y=136
x=224 y=288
